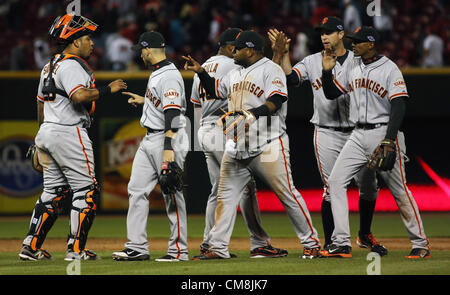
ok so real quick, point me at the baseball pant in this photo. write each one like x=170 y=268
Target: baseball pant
x=328 y=144
x=144 y=177
x=67 y=158
x=276 y=172
x=212 y=140
x=353 y=157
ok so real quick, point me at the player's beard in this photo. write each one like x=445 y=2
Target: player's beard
x=242 y=62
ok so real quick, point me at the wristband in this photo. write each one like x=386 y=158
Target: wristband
x=168 y=143
x=103 y=91
x=262 y=110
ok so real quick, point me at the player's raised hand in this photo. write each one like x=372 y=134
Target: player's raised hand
x=191 y=64
x=117 y=85
x=279 y=41
x=134 y=99
x=328 y=59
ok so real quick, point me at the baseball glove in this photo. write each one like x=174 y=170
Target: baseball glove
x=171 y=178
x=383 y=157
x=32 y=153
x=236 y=123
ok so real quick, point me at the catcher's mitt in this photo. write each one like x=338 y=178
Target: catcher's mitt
x=171 y=178
x=236 y=123
x=33 y=155
x=383 y=157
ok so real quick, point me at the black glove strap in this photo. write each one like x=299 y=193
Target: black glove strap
x=168 y=144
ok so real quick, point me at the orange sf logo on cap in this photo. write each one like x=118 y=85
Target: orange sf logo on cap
x=358 y=29
x=324 y=21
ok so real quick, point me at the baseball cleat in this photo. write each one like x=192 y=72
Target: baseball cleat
x=209 y=255
x=368 y=241
x=32 y=255
x=337 y=251
x=311 y=253
x=129 y=255
x=418 y=253
x=268 y=251
x=83 y=255
x=169 y=258
x=203 y=250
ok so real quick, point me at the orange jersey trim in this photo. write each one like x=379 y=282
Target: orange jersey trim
x=40 y=98
x=339 y=85
x=171 y=106
x=398 y=94
x=276 y=92
x=195 y=101
x=217 y=89
x=75 y=89
x=298 y=73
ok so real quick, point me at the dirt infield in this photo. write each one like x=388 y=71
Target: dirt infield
x=110 y=244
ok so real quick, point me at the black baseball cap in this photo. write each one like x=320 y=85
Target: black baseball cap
x=228 y=36
x=365 y=34
x=150 y=40
x=249 y=39
x=331 y=23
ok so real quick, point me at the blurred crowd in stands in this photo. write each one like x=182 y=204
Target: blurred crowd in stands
x=415 y=33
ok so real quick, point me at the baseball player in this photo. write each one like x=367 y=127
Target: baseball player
x=63 y=145
x=332 y=125
x=166 y=141
x=378 y=95
x=212 y=142
x=257 y=89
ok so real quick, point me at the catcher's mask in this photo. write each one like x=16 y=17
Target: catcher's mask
x=70 y=27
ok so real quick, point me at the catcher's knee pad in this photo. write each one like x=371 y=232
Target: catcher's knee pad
x=83 y=217
x=46 y=213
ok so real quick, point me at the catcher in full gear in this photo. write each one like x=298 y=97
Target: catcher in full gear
x=66 y=99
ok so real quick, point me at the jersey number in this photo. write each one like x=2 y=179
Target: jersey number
x=202 y=94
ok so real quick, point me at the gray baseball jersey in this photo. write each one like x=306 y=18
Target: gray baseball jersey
x=330 y=113
x=70 y=77
x=165 y=90
x=371 y=88
x=378 y=82
x=216 y=66
x=248 y=88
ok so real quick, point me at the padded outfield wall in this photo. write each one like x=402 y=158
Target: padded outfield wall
x=116 y=134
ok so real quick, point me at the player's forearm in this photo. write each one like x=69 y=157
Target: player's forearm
x=208 y=84
x=329 y=88
x=88 y=95
x=398 y=108
x=40 y=112
x=286 y=64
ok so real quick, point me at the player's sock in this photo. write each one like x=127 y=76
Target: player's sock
x=366 y=209
x=327 y=221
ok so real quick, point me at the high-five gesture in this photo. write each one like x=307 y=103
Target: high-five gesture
x=328 y=59
x=192 y=65
x=279 y=41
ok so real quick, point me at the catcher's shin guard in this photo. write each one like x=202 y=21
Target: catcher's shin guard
x=82 y=218
x=45 y=215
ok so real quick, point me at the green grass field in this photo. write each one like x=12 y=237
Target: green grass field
x=387 y=227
